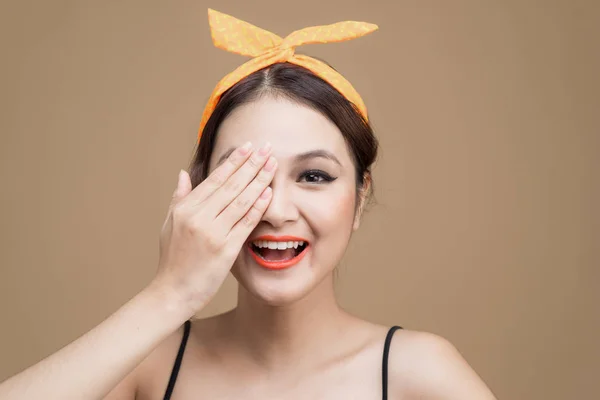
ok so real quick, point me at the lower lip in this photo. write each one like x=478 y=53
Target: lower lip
x=277 y=264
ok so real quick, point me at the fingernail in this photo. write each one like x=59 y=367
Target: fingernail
x=245 y=149
x=265 y=149
x=270 y=165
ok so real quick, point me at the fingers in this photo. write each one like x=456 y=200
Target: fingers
x=244 y=227
x=184 y=187
x=237 y=183
x=243 y=203
x=221 y=174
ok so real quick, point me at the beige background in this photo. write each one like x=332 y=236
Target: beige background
x=486 y=229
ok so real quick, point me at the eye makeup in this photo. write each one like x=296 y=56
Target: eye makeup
x=315 y=176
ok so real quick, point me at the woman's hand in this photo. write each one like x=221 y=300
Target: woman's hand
x=206 y=228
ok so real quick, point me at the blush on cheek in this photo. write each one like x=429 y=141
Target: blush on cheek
x=332 y=213
x=331 y=218
x=346 y=207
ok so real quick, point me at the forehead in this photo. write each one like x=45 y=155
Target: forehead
x=291 y=128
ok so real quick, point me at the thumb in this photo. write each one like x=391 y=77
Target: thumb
x=184 y=186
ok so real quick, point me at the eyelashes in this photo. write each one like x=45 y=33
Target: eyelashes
x=316 y=177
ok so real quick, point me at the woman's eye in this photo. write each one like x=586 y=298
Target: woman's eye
x=316 y=176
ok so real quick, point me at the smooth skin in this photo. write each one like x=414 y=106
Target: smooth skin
x=287 y=338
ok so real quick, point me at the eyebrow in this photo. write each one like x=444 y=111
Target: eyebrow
x=317 y=154
x=320 y=153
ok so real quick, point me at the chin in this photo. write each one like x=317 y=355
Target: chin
x=274 y=296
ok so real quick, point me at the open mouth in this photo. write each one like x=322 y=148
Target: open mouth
x=291 y=250
x=277 y=254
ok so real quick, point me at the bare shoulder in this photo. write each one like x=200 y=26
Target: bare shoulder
x=148 y=376
x=427 y=366
x=152 y=375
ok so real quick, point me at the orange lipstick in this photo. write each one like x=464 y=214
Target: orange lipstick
x=278 y=264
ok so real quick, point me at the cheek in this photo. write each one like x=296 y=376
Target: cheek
x=330 y=212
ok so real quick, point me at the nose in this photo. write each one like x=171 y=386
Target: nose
x=282 y=208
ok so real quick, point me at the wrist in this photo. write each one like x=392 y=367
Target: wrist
x=171 y=298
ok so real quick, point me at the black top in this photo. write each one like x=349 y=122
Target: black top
x=186 y=334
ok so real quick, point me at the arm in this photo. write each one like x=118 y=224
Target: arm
x=91 y=366
x=202 y=235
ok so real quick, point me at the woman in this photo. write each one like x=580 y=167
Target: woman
x=279 y=216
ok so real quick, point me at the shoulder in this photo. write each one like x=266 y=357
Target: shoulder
x=152 y=373
x=424 y=365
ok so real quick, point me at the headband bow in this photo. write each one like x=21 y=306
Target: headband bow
x=266 y=48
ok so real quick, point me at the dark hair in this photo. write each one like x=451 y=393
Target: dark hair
x=300 y=85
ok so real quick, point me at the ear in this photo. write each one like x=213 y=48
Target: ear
x=362 y=200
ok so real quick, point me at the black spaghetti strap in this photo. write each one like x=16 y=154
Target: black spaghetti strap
x=386 y=356
x=177 y=365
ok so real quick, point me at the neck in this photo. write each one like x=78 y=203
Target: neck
x=275 y=335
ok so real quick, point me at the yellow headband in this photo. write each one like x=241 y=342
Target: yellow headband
x=266 y=48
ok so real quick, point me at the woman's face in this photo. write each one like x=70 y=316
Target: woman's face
x=313 y=199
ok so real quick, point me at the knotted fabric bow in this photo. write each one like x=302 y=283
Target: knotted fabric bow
x=266 y=48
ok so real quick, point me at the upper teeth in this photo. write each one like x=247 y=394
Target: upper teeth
x=277 y=245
